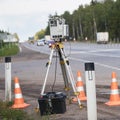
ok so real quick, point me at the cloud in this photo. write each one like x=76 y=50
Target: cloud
x=13 y=7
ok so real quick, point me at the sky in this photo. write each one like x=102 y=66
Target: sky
x=26 y=17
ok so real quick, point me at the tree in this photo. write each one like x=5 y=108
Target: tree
x=68 y=20
x=40 y=34
x=87 y=20
x=16 y=36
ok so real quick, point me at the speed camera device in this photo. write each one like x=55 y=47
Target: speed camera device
x=58 y=28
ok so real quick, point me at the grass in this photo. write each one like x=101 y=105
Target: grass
x=9 y=50
x=7 y=113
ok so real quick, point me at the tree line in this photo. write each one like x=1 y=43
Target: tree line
x=87 y=20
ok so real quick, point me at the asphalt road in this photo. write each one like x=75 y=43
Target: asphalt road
x=30 y=67
x=104 y=56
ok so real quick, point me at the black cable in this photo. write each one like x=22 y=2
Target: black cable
x=57 y=62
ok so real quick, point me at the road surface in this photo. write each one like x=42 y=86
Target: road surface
x=30 y=67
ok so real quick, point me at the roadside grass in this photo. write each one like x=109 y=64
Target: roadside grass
x=7 y=113
x=9 y=50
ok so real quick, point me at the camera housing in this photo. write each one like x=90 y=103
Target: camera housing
x=58 y=29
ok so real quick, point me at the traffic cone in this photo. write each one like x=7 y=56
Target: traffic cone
x=18 y=101
x=114 y=97
x=80 y=89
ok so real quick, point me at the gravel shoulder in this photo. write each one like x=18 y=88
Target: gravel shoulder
x=27 y=55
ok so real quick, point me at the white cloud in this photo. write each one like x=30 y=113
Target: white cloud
x=14 y=7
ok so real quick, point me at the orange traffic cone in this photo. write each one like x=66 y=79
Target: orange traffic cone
x=114 y=97
x=80 y=89
x=18 y=101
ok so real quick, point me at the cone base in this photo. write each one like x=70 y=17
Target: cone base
x=24 y=105
x=112 y=103
x=83 y=98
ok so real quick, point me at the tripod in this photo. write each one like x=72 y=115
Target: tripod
x=65 y=67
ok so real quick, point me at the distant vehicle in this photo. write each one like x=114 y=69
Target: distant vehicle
x=40 y=42
x=50 y=42
x=102 y=37
x=47 y=37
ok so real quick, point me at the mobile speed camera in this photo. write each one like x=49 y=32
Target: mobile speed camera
x=58 y=28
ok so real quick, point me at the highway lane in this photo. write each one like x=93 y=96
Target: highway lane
x=105 y=56
x=108 y=55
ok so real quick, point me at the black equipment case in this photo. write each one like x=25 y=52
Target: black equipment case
x=52 y=103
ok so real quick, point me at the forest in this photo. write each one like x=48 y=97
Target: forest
x=87 y=20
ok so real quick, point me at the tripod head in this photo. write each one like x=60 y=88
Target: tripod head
x=57 y=45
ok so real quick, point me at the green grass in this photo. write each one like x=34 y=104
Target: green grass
x=7 y=113
x=9 y=50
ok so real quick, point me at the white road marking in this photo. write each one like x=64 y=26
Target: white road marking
x=91 y=52
x=103 y=65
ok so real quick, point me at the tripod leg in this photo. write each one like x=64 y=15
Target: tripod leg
x=49 y=63
x=64 y=73
x=68 y=68
x=44 y=84
x=65 y=76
